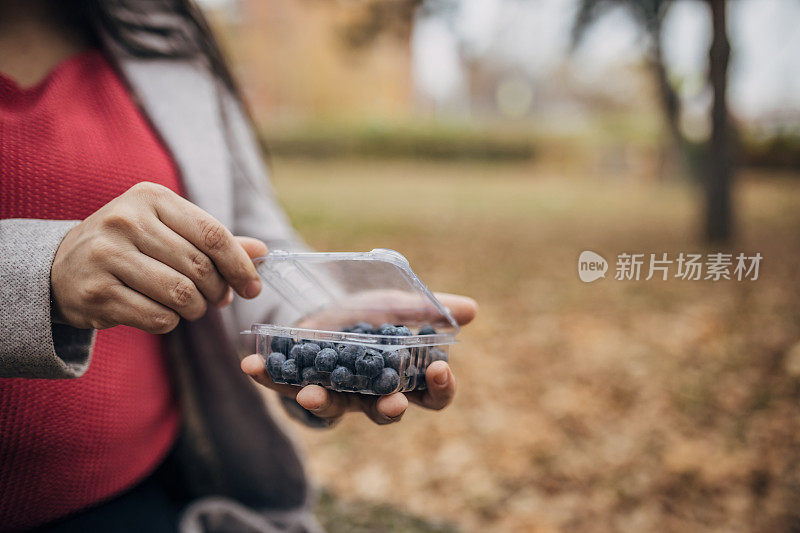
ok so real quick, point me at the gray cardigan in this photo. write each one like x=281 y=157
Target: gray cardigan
x=229 y=445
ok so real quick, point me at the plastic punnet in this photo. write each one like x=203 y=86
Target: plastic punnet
x=336 y=293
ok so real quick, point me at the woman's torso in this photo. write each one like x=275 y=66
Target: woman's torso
x=67 y=146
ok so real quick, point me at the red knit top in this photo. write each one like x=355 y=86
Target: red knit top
x=68 y=146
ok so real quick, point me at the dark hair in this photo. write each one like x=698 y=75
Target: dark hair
x=152 y=28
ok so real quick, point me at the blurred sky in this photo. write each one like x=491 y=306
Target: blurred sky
x=532 y=36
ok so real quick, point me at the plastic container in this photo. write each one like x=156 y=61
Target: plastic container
x=333 y=293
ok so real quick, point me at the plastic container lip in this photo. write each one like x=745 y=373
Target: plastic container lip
x=299 y=261
x=353 y=338
x=382 y=254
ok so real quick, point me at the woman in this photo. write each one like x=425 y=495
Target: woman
x=127 y=165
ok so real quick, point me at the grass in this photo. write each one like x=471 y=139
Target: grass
x=645 y=406
x=330 y=136
x=386 y=140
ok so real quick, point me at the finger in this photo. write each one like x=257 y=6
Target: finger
x=253 y=366
x=166 y=246
x=228 y=298
x=324 y=403
x=253 y=247
x=392 y=406
x=463 y=308
x=385 y=409
x=441 y=387
x=159 y=282
x=129 y=308
x=213 y=239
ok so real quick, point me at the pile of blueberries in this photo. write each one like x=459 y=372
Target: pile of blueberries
x=350 y=367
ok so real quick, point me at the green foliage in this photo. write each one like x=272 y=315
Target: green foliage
x=781 y=150
x=412 y=140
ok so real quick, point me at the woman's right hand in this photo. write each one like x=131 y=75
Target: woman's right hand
x=147 y=258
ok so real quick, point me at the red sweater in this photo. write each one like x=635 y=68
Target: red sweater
x=68 y=146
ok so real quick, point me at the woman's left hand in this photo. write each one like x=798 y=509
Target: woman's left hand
x=331 y=405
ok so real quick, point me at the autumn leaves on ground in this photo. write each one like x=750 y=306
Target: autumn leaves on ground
x=616 y=405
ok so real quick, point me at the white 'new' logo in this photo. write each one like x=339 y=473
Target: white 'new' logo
x=591 y=266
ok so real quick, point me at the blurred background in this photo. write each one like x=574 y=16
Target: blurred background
x=491 y=141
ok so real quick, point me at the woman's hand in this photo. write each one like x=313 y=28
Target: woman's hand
x=147 y=258
x=331 y=405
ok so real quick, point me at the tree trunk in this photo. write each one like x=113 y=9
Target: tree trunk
x=719 y=158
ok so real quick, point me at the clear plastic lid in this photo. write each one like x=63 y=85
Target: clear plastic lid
x=352 y=285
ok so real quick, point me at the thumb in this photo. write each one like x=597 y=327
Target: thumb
x=253 y=247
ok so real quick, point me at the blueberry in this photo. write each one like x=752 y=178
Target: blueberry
x=402 y=331
x=369 y=364
x=308 y=353
x=421 y=384
x=325 y=360
x=274 y=365
x=394 y=358
x=341 y=377
x=426 y=330
x=281 y=344
x=387 y=382
x=289 y=370
x=326 y=344
x=437 y=354
x=310 y=375
x=349 y=354
x=361 y=384
x=362 y=327
x=386 y=329
x=294 y=353
x=410 y=374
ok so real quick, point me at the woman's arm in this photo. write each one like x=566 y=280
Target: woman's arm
x=34 y=40
x=31 y=345
x=145 y=259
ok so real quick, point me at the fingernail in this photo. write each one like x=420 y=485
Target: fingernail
x=253 y=288
x=319 y=408
x=392 y=419
x=395 y=418
x=324 y=405
x=442 y=379
x=300 y=403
